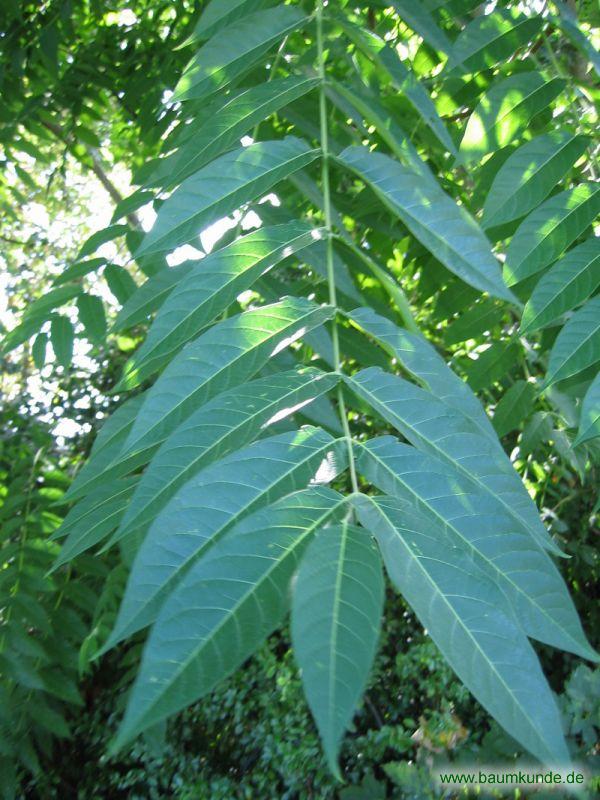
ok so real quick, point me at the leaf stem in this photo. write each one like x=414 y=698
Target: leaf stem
x=329 y=243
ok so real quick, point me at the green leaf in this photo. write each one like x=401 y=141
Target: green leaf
x=101 y=237
x=131 y=204
x=423 y=361
x=232 y=52
x=402 y=78
x=478 y=319
x=491 y=38
x=120 y=282
x=62 y=336
x=223 y=186
x=567 y=21
x=391 y=133
x=549 y=230
x=78 y=270
x=226 y=606
x=450 y=436
x=491 y=365
x=227 y=355
x=222 y=131
x=150 y=296
x=577 y=345
x=567 y=284
x=218 y=14
x=38 y=312
x=444 y=227
x=231 y=420
x=337 y=603
x=210 y=288
x=477 y=523
x=537 y=430
x=107 y=446
x=92 y=317
x=210 y=504
x=529 y=175
x=504 y=113
x=420 y=20
x=38 y=350
x=461 y=610
x=514 y=407
x=94 y=518
x=589 y=423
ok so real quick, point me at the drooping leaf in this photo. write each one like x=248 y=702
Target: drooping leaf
x=442 y=226
x=219 y=133
x=232 y=52
x=210 y=504
x=223 y=186
x=531 y=583
x=549 y=230
x=38 y=350
x=567 y=284
x=337 y=603
x=210 y=288
x=228 y=603
x=231 y=420
x=504 y=113
x=450 y=436
x=120 y=282
x=491 y=38
x=589 y=423
x=461 y=610
x=577 y=345
x=92 y=317
x=529 y=175
x=62 y=336
x=514 y=406
x=227 y=355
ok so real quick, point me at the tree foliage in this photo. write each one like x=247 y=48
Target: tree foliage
x=405 y=296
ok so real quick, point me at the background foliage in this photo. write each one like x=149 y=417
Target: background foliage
x=83 y=101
